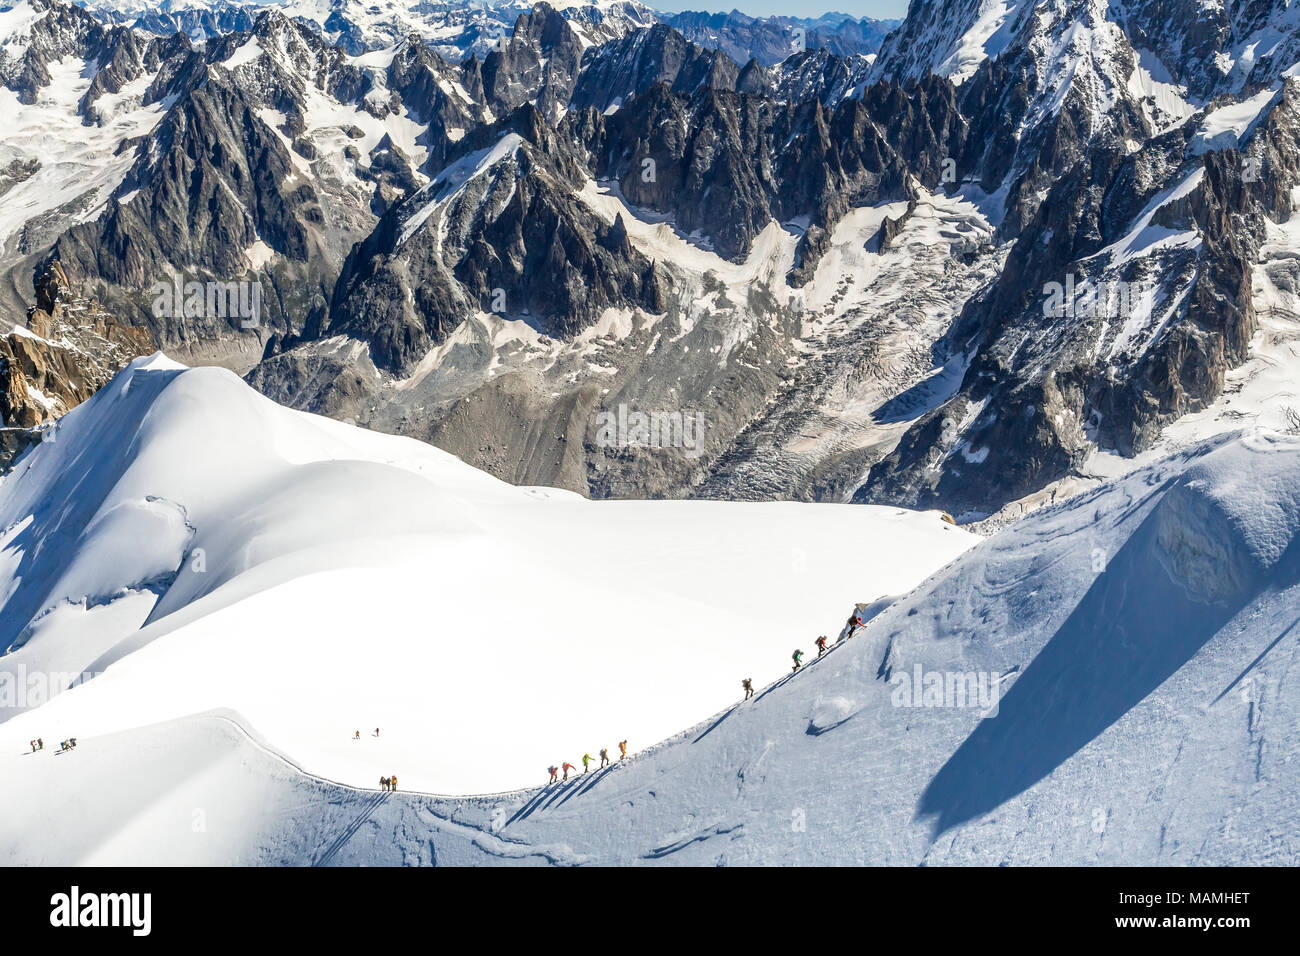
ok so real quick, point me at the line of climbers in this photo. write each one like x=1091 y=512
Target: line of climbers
x=587 y=761
x=854 y=622
x=39 y=744
x=851 y=628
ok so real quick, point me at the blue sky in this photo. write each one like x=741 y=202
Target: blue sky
x=880 y=9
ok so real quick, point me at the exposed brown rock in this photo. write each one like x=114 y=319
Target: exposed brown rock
x=68 y=350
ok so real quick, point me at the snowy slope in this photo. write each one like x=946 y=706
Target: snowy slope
x=1147 y=715
x=199 y=547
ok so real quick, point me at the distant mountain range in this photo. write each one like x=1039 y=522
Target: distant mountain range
x=458 y=29
x=1014 y=250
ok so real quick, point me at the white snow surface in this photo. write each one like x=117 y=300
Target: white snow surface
x=1225 y=127
x=196 y=547
x=1143 y=637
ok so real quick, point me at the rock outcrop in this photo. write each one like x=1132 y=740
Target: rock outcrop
x=68 y=350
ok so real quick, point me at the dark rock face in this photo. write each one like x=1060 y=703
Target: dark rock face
x=538 y=64
x=1043 y=389
x=722 y=163
x=63 y=30
x=619 y=71
x=222 y=184
x=726 y=163
x=1189 y=39
x=70 y=349
x=218 y=187
x=223 y=172
x=814 y=75
x=502 y=232
x=214 y=178
x=385 y=203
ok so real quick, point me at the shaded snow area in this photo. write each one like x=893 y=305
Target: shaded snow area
x=1110 y=680
x=195 y=546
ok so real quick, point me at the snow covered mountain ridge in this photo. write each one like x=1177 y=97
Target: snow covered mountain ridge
x=171 y=527
x=853 y=268
x=1140 y=639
